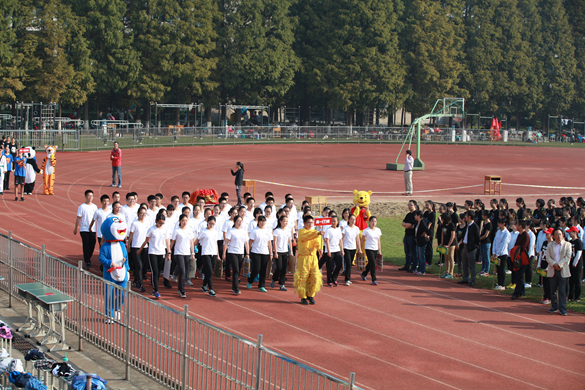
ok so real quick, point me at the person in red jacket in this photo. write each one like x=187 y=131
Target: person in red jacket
x=116 y=158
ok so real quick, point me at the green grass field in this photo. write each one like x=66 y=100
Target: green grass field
x=393 y=251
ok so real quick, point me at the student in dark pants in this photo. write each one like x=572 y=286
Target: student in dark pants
x=85 y=214
x=209 y=253
x=523 y=243
x=351 y=244
x=334 y=243
x=234 y=249
x=421 y=235
x=469 y=248
x=543 y=264
x=282 y=241
x=501 y=252
x=409 y=242
x=371 y=243
x=576 y=265
x=239 y=182
x=429 y=217
x=260 y=253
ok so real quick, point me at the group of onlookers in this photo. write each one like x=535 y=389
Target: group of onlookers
x=548 y=238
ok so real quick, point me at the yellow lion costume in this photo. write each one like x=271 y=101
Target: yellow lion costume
x=308 y=278
x=48 y=169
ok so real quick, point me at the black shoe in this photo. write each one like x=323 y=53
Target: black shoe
x=142 y=289
x=87 y=266
x=403 y=269
x=471 y=284
x=463 y=282
x=16 y=199
x=167 y=284
x=410 y=272
x=311 y=300
x=304 y=301
x=22 y=199
x=515 y=297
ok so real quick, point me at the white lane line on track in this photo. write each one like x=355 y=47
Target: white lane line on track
x=449 y=334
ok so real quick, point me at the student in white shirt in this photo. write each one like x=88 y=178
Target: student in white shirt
x=197 y=213
x=182 y=239
x=351 y=244
x=152 y=209
x=85 y=214
x=344 y=218
x=282 y=250
x=260 y=253
x=254 y=223
x=186 y=196
x=371 y=243
x=334 y=243
x=271 y=220
x=136 y=237
x=250 y=208
x=234 y=249
x=267 y=196
x=531 y=255
x=156 y=239
x=227 y=225
x=242 y=212
x=99 y=217
x=117 y=211
x=501 y=252
x=209 y=253
x=130 y=209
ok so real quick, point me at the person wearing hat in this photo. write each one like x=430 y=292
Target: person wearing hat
x=543 y=265
x=576 y=265
x=408 y=165
x=558 y=255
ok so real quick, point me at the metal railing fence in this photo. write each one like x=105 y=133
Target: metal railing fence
x=131 y=137
x=170 y=346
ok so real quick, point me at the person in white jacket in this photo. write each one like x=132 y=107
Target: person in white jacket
x=558 y=255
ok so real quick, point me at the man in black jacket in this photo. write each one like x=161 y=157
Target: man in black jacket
x=470 y=245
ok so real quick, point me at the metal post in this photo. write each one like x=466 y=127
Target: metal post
x=185 y=344
x=43 y=263
x=127 y=341
x=258 y=362
x=10 y=262
x=79 y=307
x=351 y=380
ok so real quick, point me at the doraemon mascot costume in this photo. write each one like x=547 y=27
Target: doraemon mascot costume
x=114 y=258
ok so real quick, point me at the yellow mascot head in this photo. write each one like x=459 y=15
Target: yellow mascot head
x=361 y=198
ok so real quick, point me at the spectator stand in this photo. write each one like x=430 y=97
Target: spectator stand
x=446 y=107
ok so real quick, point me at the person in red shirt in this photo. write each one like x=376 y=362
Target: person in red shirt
x=116 y=158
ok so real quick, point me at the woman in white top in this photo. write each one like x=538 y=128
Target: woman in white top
x=344 y=219
x=282 y=250
x=371 y=243
x=208 y=240
x=168 y=227
x=156 y=239
x=136 y=237
x=334 y=243
x=235 y=247
x=254 y=223
x=182 y=239
x=260 y=252
x=227 y=225
x=351 y=244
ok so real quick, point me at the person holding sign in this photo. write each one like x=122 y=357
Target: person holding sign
x=308 y=278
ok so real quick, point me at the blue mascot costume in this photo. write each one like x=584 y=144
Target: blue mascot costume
x=114 y=258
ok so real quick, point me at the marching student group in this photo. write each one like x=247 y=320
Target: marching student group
x=184 y=241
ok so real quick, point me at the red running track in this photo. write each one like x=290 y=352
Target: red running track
x=408 y=331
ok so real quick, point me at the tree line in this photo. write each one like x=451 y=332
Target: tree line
x=520 y=58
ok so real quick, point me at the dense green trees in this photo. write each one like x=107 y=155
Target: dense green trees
x=521 y=58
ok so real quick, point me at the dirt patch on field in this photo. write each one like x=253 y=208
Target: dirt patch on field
x=381 y=209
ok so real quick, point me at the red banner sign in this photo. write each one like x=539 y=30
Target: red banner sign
x=322 y=221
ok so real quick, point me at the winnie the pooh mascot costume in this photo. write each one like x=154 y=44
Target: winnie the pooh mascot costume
x=308 y=279
x=114 y=258
x=361 y=210
x=48 y=169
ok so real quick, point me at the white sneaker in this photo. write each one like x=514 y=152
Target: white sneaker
x=527 y=285
x=500 y=288
x=348 y=283
x=508 y=272
x=188 y=282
